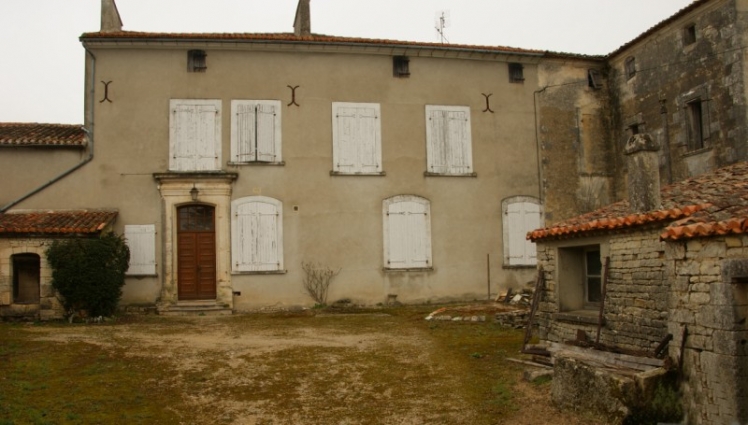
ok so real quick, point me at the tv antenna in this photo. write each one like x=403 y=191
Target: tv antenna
x=442 y=21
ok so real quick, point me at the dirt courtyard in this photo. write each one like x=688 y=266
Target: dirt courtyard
x=376 y=367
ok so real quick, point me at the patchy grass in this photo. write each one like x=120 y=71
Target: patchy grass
x=322 y=367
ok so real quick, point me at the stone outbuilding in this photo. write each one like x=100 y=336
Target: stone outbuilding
x=670 y=282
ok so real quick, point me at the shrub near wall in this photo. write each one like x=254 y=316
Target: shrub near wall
x=89 y=273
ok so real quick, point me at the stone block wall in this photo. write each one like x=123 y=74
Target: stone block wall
x=49 y=306
x=709 y=298
x=635 y=308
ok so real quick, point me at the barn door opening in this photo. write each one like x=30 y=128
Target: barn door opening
x=26 y=278
x=196 y=252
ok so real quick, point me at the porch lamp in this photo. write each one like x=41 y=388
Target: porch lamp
x=193 y=193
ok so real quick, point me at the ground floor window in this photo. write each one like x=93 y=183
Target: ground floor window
x=580 y=273
x=407 y=232
x=26 y=278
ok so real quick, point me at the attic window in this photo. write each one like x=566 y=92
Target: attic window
x=196 y=61
x=689 y=34
x=630 y=67
x=516 y=73
x=594 y=79
x=400 y=66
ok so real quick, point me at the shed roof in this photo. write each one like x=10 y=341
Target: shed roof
x=714 y=203
x=51 y=223
x=36 y=134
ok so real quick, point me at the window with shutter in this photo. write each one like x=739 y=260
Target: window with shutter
x=357 y=142
x=256 y=131
x=195 y=135
x=141 y=239
x=407 y=232
x=521 y=215
x=257 y=234
x=448 y=141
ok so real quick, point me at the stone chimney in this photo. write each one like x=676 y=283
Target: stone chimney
x=302 y=25
x=643 y=178
x=110 y=20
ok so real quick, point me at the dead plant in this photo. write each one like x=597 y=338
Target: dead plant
x=317 y=280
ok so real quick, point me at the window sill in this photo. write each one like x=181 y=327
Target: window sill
x=338 y=173
x=141 y=275
x=418 y=269
x=259 y=272
x=697 y=151
x=519 y=266
x=257 y=163
x=587 y=317
x=430 y=174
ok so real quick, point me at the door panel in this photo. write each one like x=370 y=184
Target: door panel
x=196 y=253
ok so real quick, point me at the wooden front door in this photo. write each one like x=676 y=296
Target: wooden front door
x=196 y=252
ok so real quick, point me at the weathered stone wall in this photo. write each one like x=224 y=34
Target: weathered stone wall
x=671 y=71
x=49 y=306
x=635 y=310
x=710 y=298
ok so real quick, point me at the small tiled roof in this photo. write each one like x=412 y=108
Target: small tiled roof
x=52 y=223
x=35 y=134
x=310 y=39
x=715 y=203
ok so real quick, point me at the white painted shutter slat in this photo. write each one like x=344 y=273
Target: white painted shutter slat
x=456 y=143
x=245 y=132
x=257 y=235
x=267 y=258
x=397 y=237
x=266 y=132
x=369 y=155
x=522 y=217
x=437 y=157
x=346 y=140
x=206 y=140
x=417 y=255
x=141 y=239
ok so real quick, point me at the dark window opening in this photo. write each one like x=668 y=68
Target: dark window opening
x=26 y=278
x=594 y=79
x=400 y=66
x=694 y=117
x=740 y=279
x=634 y=128
x=516 y=73
x=630 y=67
x=196 y=61
x=689 y=34
x=593 y=276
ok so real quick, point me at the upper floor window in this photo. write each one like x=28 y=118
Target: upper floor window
x=695 y=120
x=256 y=234
x=356 y=138
x=400 y=66
x=448 y=142
x=195 y=135
x=689 y=34
x=407 y=232
x=630 y=67
x=196 y=61
x=256 y=131
x=522 y=214
x=516 y=73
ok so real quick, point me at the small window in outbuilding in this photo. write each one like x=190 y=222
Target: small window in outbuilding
x=26 y=278
x=400 y=66
x=630 y=67
x=689 y=34
x=594 y=79
x=196 y=61
x=516 y=73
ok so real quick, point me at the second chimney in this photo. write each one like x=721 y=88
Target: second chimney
x=302 y=25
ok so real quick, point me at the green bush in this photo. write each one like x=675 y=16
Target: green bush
x=89 y=273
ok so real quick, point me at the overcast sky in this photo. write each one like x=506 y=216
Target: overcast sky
x=42 y=59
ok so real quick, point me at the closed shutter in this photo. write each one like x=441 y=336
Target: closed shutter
x=141 y=240
x=356 y=138
x=266 y=132
x=195 y=135
x=521 y=217
x=448 y=140
x=244 y=132
x=408 y=233
x=256 y=131
x=256 y=243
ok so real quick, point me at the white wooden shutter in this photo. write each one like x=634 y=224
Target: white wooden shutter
x=195 y=134
x=521 y=217
x=257 y=234
x=255 y=131
x=408 y=233
x=448 y=140
x=357 y=144
x=141 y=239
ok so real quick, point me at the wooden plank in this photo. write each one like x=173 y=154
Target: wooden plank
x=533 y=308
x=602 y=300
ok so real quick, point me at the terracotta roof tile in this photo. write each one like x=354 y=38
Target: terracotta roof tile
x=35 y=134
x=312 y=39
x=715 y=203
x=55 y=222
